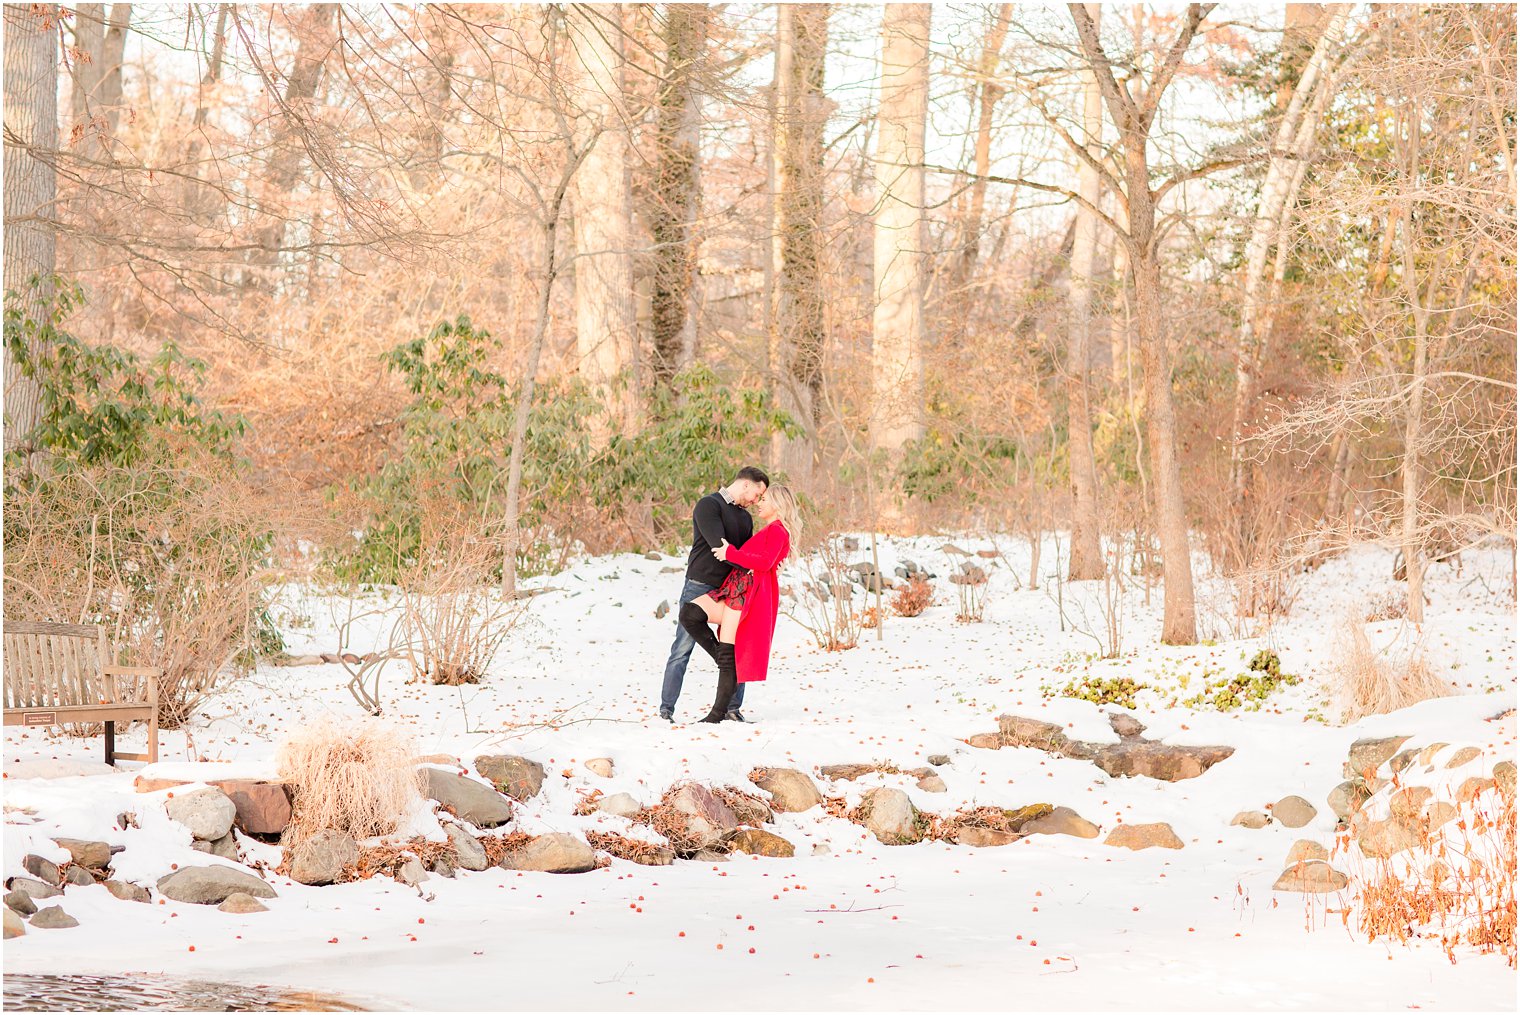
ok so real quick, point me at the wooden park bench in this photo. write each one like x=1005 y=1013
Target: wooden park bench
x=62 y=673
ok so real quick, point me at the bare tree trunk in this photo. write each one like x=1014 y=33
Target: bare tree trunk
x=798 y=336
x=1086 y=557
x=1291 y=145
x=31 y=185
x=990 y=93
x=88 y=55
x=602 y=197
x=897 y=321
x=678 y=191
x=112 y=51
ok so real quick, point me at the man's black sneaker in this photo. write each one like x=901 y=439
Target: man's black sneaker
x=668 y=716
x=735 y=716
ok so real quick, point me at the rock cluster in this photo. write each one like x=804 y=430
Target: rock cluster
x=1132 y=755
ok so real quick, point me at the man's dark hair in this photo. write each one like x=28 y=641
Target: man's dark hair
x=754 y=475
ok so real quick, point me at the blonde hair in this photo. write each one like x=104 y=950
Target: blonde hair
x=787 y=511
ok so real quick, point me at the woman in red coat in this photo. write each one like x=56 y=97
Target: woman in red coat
x=744 y=607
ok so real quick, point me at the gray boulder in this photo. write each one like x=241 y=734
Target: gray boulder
x=621 y=805
x=1307 y=849
x=225 y=847
x=210 y=885
x=468 y=852
x=88 y=853
x=14 y=925
x=938 y=759
x=53 y=918
x=33 y=888
x=480 y=805
x=242 y=902
x=1368 y=754
x=78 y=876
x=1310 y=877
x=555 y=853
x=1347 y=798
x=320 y=859
x=706 y=819
x=42 y=868
x=207 y=812
x=1383 y=839
x=932 y=783
x=891 y=818
x=126 y=891
x=517 y=777
x=791 y=791
x=412 y=872
x=1293 y=812
x=20 y=902
x=1251 y=819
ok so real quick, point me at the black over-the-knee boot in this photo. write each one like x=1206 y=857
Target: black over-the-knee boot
x=694 y=619
x=728 y=683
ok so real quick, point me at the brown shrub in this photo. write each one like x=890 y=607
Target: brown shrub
x=912 y=599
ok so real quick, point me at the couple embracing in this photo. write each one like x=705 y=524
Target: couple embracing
x=729 y=603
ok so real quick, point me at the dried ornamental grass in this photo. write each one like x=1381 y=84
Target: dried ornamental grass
x=356 y=778
x=624 y=848
x=1374 y=683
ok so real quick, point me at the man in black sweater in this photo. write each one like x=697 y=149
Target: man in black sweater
x=716 y=517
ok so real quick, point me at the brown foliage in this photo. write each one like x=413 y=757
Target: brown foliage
x=912 y=599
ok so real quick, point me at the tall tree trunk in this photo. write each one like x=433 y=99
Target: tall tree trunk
x=31 y=185
x=1292 y=143
x=86 y=59
x=897 y=320
x=678 y=191
x=798 y=160
x=112 y=52
x=1086 y=558
x=602 y=198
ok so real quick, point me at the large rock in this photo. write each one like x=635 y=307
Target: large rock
x=555 y=853
x=1156 y=834
x=791 y=791
x=1439 y=813
x=1293 y=812
x=468 y=852
x=126 y=891
x=1306 y=849
x=242 y=902
x=848 y=773
x=1383 y=839
x=78 y=876
x=53 y=918
x=519 y=778
x=1019 y=731
x=210 y=886
x=749 y=811
x=320 y=859
x=622 y=805
x=1462 y=756
x=1347 y=798
x=985 y=741
x=88 y=853
x=761 y=843
x=34 y=888
x=706 y=819
x=973 y=836
x=1167 y=762
x=14 y=926
x=263 y=808
x=42 y=869
x=20 y=902
x=1504 y=777
x=480 y=805
x=1125 y=725
x=207 y=812
x=891 y=818
x=1368 y=754
x=1061 y=821
x=1251 y=819
x=1408 y=804
x=1310 y=876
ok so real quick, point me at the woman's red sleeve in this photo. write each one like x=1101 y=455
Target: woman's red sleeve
x=763 y=551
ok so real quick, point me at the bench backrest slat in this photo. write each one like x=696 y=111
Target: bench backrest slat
x=52 y=665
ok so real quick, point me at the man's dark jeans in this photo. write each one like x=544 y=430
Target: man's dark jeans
x=680 y=654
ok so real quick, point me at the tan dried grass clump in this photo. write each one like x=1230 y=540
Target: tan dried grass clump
x=356 y=778
x=1375 y=683
x=624 y=848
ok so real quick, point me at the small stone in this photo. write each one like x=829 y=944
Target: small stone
x=710 y=856
x=1463 y=756
x=983 y=837
x=600 y=766
x=621 y=805
x=20 y=902
x=891 y=817
x=53 y=918
x=207 y=812
x=1125 y=725
x=555 y=853
x=210 y=885
x=938 y=759
x=661 y=611
x=442 y=866
x=225 y=847
x=1368 y=754
x=1061 y=821
x=1251 y=819
x=1428 y=753
x=34 y=888
x=412 y=872
x=1403 y=759
x=1408 y=804
x=78 y=876
x=468 y=852
x=320 y=860
x=791 y=791
x=985 y=741
x=517 y=777
x=759 y=842
x=821 y=849
x=1504 y=777
x=1382 y=839
x=14 y=926
x=652 y=555
x=88 y=853
x=1307 y=849
x=1145 y=836
x=242 y=902
x=126 y=891
x=43 y=868
x=932 y=784
x=1347 y=798
x=1293 y=812
x=1020 y=731
x=1310 y=877
x=848 y=773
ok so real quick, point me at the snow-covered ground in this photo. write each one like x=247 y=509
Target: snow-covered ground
x=1049 y=922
